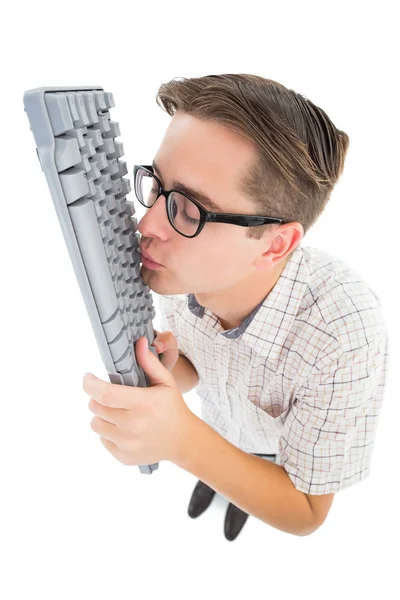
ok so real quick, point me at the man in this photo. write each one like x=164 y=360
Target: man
x=286 y=344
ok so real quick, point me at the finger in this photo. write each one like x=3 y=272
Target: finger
x=159 y=346
x=106 y=430
x=168 y=339
x=116 y=452
x=115 y=416
x=111 y=447
x=96 y=388
x=113 y=394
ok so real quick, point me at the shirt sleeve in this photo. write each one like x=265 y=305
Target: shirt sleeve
x=328 y=436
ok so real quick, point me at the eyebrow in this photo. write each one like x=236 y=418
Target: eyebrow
x=196 y=194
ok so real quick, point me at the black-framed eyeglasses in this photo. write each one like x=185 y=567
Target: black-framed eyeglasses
x=185 y=214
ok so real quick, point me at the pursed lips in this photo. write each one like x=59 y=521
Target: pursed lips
x=146 y=255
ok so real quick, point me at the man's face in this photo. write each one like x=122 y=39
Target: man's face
x=210 y=158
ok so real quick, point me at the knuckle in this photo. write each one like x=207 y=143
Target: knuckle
x=131 y=424
x=134 y=423
x=137 y=430
x=107 y=395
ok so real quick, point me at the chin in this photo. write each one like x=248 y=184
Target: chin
x=151 y=280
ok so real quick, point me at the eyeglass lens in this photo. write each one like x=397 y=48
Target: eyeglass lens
x=184 y=214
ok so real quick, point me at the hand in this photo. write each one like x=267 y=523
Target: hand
x=169 y=352
x=141 y=425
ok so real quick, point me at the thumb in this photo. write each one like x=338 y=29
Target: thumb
x=151 y=365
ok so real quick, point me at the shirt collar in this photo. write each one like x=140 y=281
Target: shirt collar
x=267 y=326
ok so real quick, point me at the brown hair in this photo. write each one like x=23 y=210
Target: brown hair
x=300 y=153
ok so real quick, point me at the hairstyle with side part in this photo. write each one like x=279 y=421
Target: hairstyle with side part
x=300 y=153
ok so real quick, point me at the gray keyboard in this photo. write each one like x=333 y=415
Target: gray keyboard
x=78 y=153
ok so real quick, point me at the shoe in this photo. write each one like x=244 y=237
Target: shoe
x=235 y=519
x=200 y=500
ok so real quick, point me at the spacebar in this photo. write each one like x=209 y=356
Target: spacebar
x=83 y=217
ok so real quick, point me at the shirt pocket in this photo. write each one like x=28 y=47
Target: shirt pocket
x=266 y=398
x=258 y=403
x=260 y=420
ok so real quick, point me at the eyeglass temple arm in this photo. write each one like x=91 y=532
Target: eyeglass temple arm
x=243 y=220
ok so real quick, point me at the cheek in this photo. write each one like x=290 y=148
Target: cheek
x=214 y=253
x=226 y=256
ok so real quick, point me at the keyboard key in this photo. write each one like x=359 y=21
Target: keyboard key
x=80 y=105
x=123 y=170
x=89 y=147
x=112 y=203
x=105 y=180
x=66 y=152
x=74 y=184
x=119 y=150
x=94 y=169
x=59 y=113
x=112 y=166
x=84 y=163
x=95 y=136
x=113 y=327
x=100 y=100
x=72 y=106
x=126 y=186
x=92 y=188
x=114 y=130
x=90 y=106
x=78 y=134
x=108 y=146
x=101 y=159
x=103 y=123
x=99 y=193
x=116 y=186
x=109 y=98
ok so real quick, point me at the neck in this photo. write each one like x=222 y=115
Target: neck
x=232 y=305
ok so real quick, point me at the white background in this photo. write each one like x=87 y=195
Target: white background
x=75 y=523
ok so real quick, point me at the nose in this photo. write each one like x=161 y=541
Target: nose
x=155 y=219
